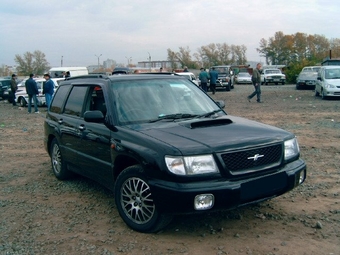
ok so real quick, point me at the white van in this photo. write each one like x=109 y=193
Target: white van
x=59 y=72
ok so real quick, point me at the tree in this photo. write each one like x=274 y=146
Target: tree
x=297 y=50
x=35 y=63
x=209 y=55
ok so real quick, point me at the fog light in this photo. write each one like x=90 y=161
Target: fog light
x=302 y=177
x=204 y=201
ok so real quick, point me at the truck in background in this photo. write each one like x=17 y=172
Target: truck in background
x=59 y=72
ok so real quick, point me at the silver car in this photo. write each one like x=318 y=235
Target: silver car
x=243 y=77
x=328 y=82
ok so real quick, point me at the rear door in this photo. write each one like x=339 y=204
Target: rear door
x=93 y=146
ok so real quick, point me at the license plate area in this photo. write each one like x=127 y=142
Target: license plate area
x=263 y=187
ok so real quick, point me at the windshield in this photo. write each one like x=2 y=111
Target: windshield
x=151 y=100
x=273 y=71
x=222 y=69
x=244 y=75
x=333 y=73
x=57 y=74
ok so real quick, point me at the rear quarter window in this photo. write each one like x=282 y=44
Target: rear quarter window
x=59 y=98
x=75 y=101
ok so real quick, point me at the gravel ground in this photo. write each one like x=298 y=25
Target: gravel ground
x=41 y=215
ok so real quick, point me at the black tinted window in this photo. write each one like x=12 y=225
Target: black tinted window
x=75 y=101
x=59 y=98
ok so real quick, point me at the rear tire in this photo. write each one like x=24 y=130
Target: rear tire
x=59 y=166
x=135 y=202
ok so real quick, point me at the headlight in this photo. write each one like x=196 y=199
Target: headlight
x=291 y=148
x=329 y=86
x=203 y=164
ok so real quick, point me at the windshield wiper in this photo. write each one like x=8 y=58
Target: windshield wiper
x=174 y=116
x=206 y=115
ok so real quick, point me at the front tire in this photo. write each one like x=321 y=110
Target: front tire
x=135 y=202
x=22 y=102
x=59 y=167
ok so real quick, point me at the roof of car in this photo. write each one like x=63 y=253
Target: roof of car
x=127 y=76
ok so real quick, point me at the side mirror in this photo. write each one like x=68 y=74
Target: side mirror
x=220 y=103
x=319 y=78
x=94 y=116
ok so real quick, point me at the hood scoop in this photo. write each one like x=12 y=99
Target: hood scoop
x=208 y=123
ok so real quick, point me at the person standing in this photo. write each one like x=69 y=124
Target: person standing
x=185 y=69
x=14 y=88
x=256 y=80
x=204 y=78
x=48 y=89
x=213 y=78
x=32 y=91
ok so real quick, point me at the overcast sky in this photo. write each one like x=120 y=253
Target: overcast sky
x=82 y=30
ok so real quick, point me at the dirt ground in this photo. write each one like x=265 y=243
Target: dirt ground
x=41 y=215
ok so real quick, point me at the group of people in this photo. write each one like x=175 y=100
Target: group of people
x=212 y=76
x=32 y=91
x=205 y=77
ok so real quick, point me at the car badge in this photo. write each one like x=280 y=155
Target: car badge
x=256 y=157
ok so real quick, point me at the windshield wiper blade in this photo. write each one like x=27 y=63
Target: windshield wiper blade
x=206 y=115
x=174 y=116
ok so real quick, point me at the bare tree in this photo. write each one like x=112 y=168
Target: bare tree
x=31 y=63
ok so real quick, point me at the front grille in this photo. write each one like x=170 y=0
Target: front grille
x=276 y=77
x=252 y=159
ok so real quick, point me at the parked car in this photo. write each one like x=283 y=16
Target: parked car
x=225 y=77
x=328 y=82
x=5 y=84
x=306 y=80
x=164 y=147
x=190 y=76
x=243 y=78
x=22 y=96
x=311 y=69
x=272 y=75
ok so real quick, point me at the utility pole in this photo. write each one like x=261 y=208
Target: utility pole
x=149 y=61
x=129 y=60
x=98 y=60
x=61 y=62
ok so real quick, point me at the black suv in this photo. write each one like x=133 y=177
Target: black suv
x=5 y=84
x=165 y=147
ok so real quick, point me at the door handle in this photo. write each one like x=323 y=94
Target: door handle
x=81 y=127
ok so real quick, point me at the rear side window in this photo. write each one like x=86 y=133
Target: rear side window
x=58 y=99
x=75 y=101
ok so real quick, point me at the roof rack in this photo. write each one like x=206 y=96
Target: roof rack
x=89 y=76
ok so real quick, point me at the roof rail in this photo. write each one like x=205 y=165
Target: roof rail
x=89 y=76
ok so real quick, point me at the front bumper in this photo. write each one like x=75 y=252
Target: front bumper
x=271 y=80
x=178 y=198
x=306 y=83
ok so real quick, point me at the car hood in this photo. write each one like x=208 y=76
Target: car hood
x=335 y=82
x=209 y=135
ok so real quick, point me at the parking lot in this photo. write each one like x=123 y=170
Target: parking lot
x=41 y=215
